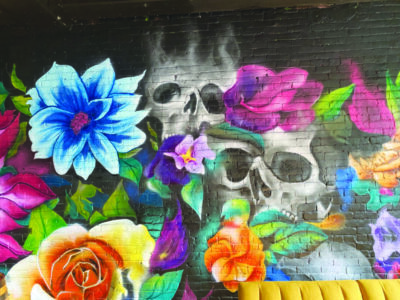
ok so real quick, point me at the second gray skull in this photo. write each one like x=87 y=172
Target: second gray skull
x=283 y=174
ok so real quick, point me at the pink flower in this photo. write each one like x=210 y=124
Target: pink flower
x=9 y=127
x=189 y=154
x=262 y=99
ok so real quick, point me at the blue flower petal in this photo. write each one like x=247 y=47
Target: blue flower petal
x=36 y=103
x=47 y=125
x=67 y=147
x=127 y=140
x=120 y=127
x=99 y=80
x=84 y=163
x=99 y=108
x=126 y=85
x=104 y=152
x=61 y=87
x=123 y=107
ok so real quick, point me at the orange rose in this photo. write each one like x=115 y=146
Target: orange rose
x=383 y=167
x=235 y=254
x=73 y=263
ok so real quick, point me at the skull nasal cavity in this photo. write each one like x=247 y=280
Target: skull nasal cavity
x=258 y=185
x=191 y=105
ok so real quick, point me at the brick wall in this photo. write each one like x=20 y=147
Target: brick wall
x=257 y=145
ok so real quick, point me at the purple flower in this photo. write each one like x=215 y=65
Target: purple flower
x=261 y=99
x=189 y=154
x=171 y=248
x=163 y=167
x=388 y=269
x=386 y=233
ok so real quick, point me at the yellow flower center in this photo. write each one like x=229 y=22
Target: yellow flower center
x=187 y=157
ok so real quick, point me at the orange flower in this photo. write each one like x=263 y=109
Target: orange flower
x=383 y=167
x=235 y=254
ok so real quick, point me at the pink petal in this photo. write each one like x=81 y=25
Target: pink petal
x=12 y=209
x=274 y=104
x=9 y=128
x=195 y=167
x=7 y=223
x=179 y=162
x=184 y=146
x=9 y=248
x=305 y=97
x=201 y=149
x=298 y=120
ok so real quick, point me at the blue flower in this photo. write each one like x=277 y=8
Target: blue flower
x=80 y=119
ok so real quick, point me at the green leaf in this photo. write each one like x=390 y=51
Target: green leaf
x=268 y=229
x=3 y=93
x=393 y=97
x=397 y=79
x=154 y=145
x=130 y=153
x=328 y=107
x=267 y=216
x=20 y=140
x=52 y=203
x=297 y=238
x=340 y=128
x=270 y=257
x=79 y=205
x=16 y=82
x=20 y=103
x=153 y=133
x=192 y=193
x=158 y=187
x=131 y=169
x=97 y=218
x=236 y=208
x=7 y=169
x=42 y=223
x=161 y=287
x=118 y=204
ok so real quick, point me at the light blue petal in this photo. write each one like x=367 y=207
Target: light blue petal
x=36 y=103
x=67 y=147
x=125 y=141
x=127 y=85
x=117 y=127
x=61 y=87
x=99 y=80
x=99 y=108
x=84 y=163
x=47 y=125
x=123 y=107
x=104 y=152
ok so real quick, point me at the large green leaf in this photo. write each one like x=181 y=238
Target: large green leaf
x=192 y=193
x=42 y=223
x=267 y=216
x=20 y=103
x=297 y=238
x=236 y=208
x=340 y=128
x=393 y=97
x=328 y=107
x=20 y=140
x=97 y=218
x=131 y=169
x=268 y=229
x=158 y=187
x=161 y=287
x=79 y=204
x=118 y=204
x=16 y=82
x=3 y=93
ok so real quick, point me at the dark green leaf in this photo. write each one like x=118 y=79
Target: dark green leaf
x=340 y=128
x=20 y=140
x=16 y=82
x=192 y=193
x=153 y=133
x=3 y=93
x=20 y=103
x=161 y=287
x=131 y=169
x=118 y=204
x=7 y=169
x=158 y=187
x=79 y=204
x=42 y=223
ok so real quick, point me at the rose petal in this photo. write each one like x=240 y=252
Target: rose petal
x=9 y=128
x=7 y=223
x=38 y=293
x=12 y=209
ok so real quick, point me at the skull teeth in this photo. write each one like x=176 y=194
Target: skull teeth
x=289 y=214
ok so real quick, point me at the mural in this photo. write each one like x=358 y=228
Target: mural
x=219 y=172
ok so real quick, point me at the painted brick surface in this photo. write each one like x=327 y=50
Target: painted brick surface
x=174 y=156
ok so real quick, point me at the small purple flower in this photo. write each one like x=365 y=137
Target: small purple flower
x=386 y=233
x=189 y=154
x=171 y=248
x=389 y=269
x=262 y=99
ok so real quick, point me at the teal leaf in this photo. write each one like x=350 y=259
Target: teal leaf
x=161 y=287
x=20 y=103
x=270 y=257
x=3 y=93
x=267 y=216
x=131 y=169
x=297 y=238
x=19 y=141
x=393 y=97
x=97 y=218
x=236 y=208
x=328 y=107
x=268 y=229
x=7 y=169
x=158 y=187
x=118 y=204
x=16 y=82
x=79 y=205
x=42 y=223
x=52 y=203
x=192 y=193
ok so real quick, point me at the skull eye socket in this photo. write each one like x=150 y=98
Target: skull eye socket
x=290 y=167
x=237 y=164
x=166 y=92
x=212 y=98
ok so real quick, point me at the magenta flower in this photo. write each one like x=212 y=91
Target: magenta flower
x=9 y=248
x=9 y=127
x=189 y=154
x=368 y=109
x=261 y=99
